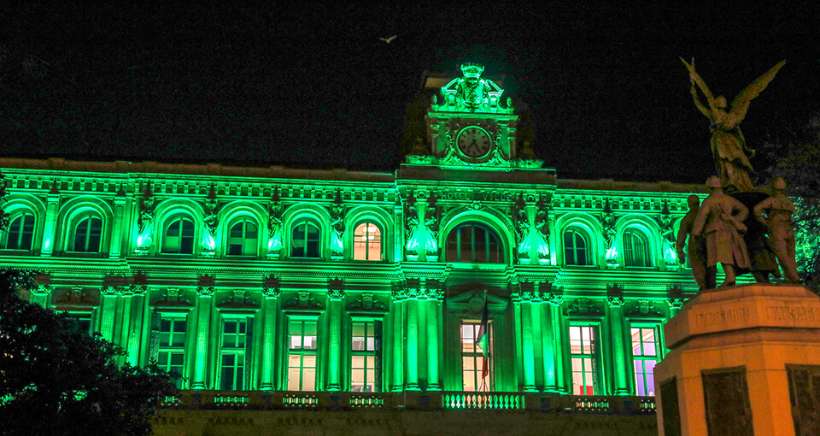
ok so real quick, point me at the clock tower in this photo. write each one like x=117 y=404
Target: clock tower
x=471 y=125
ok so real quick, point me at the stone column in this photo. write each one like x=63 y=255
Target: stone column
x=558 y=334
x=527 y=343
x=133 y=341
x=50 y=223
x=108 y=311
x=549 y=333
x=412 y=347
x=270 y=312
x=122 y=325
x=116 y=243
x=433 y=326
x=397 y=340
x=335 y=303
x=620 y=364
x=204 y=304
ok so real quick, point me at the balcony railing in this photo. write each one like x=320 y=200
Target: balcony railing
x=482 y=400
x=447 y=400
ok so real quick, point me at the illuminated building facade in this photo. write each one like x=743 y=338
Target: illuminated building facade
x=294 y=281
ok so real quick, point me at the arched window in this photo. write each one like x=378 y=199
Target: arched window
x=20 y=232
x=472 y=242
x=87 y=235
x=179 y=236
x=636 y=248
x=576 y=248
x=367 y=242
x=304 y=241
x=243 y=238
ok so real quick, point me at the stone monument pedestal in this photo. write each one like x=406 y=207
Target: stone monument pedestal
x=744 y=361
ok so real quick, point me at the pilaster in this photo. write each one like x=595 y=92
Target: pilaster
x=50 y=222
x=270 y=311
x=116 y=243
x=204 y=306
x=335 y=305
x=433 y=296
x=397 y=308
x=617 y=330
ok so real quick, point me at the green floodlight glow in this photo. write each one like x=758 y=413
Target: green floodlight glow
x=539 y=284
x=670 y=256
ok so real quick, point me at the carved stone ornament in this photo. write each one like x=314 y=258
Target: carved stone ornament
x=206 y=285
x=337 y=226
x=115 y=284
x=146 y=210
x=211 y=210
x=644 y=307
x=584 y=306
x=367 y=302
x=336 y=289
x=608 y=219
x=271 y=286
x=472 y=93
x=421 y=221
x=675 y=297
x=42 y=285
x=139 y=283
x=303 y=300
x=615 y=295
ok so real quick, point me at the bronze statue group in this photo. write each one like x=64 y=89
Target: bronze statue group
x=720 y=230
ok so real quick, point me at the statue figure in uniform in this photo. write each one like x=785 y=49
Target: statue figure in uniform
x=720 y=221
x=695 y=247
x=729 y=149
x=778 y=210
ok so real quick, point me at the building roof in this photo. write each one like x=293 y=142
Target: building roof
x=279 y=172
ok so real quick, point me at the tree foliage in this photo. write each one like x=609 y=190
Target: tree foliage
x=797 y=159
x=55 y=379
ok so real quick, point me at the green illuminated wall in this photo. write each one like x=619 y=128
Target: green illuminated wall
x=418 y=293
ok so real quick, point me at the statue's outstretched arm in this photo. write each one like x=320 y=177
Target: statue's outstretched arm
x=695 y=79
x=740 y=104
x=698 y=104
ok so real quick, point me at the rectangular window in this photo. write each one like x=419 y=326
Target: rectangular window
x=80 y=322
x=476 y=363
x=644 y=357
x=236 y=334
x=365 y=363
x=171 y=355
x=302 y=346
x=584 y=359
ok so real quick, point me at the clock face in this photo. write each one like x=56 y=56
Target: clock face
x=474 y=142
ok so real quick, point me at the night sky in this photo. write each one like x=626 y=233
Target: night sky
x=314 y=87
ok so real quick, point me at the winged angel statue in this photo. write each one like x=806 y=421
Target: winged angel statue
x=729 y=149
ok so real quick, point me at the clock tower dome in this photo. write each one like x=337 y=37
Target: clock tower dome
x=471 y=125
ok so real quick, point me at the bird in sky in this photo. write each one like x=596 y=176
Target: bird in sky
x=388 y=39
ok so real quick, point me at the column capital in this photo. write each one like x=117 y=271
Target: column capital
x=206 y=285
x=615 y=295
x=336 y=289
x=42 y=285
x=271 y=286
x=114 y=284
x=675 y=297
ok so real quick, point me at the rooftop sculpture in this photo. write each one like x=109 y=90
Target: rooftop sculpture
x=472 y=93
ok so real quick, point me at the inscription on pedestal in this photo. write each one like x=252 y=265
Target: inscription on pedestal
x=791 y=313
x=728 y=411
x=723 y=316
